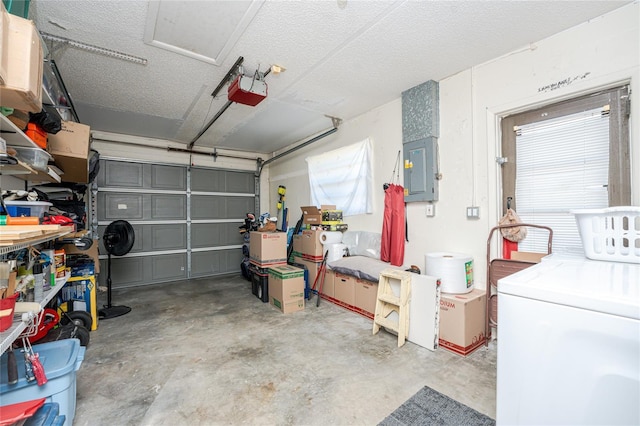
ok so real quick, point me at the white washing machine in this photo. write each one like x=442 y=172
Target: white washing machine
x=569 y=344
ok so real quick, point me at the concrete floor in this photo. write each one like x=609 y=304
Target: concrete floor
x=206 y=352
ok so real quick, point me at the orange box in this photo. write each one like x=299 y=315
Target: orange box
x=37 y=135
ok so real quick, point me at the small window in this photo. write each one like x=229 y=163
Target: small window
x=343 y=177
x=566 y=156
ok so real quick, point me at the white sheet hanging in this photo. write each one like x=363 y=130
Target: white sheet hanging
x=343 y=177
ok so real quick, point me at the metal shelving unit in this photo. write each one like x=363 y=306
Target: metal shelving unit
x=10 y=335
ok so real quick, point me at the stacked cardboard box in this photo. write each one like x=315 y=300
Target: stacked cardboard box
x=267 y=249
x=286 y=288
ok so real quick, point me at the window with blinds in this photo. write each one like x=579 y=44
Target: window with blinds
x=570 y=155
x=563 y=164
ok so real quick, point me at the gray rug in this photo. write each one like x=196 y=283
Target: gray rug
x=430 y=407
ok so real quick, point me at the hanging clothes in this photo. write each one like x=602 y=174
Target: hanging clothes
x=393 y=226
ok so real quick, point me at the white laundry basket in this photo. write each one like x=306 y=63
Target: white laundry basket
x=611 y=234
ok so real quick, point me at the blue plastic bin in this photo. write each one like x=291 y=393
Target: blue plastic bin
x=60 y=360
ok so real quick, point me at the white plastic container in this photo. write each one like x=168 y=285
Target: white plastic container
x=610 y=234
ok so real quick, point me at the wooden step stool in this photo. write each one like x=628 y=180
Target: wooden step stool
x=388 y=302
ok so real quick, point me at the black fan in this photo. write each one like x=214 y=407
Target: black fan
x=118 y=239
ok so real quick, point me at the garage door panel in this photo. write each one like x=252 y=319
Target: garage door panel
x=238 y=207
x=215 y=234
x=207 y=207
x=242 y=183
x=165 y=237
x=207 y=180
x=165 y=207
x=113 y=206
x=125 y=271
x=168 y=267
x=168 y=177
x=215 y=262
x=120 y=174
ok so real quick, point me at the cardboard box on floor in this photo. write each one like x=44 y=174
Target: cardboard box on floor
x=462 y=321
x=268 y=248
x=286 y=288
x=70 y=150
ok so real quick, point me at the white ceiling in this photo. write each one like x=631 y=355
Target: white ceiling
x=342 y=58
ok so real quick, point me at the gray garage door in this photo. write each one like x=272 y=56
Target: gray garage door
x=185 y=220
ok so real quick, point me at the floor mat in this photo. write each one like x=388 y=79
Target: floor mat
x=430 y=407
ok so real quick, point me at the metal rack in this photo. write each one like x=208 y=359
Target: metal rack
x=19 y=327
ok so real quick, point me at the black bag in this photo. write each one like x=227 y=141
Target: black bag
x=47 y=119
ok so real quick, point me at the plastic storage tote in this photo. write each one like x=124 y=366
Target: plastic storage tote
x=27 y=208
x=60 y=360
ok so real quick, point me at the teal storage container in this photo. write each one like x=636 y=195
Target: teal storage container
x=60 y=360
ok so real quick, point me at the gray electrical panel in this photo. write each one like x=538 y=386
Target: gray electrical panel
x=420 y=132
x=420 y=169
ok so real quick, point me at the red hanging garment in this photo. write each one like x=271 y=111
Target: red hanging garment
x=393 y=226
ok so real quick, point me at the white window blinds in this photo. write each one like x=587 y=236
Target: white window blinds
x=562 y=164
x=343 y=177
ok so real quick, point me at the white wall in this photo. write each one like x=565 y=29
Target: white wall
x=597 y=54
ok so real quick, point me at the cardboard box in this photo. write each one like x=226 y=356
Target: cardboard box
x=312 y=268
x=462 y=321
x=286 y=288
x=345 y=288
x=311 y=215
x=268 y=249
x=70 y=149
x=312 y=248
x=328 y=288
x=366 y=295
x=22 y=87
x=297 y=243
x=528 y=256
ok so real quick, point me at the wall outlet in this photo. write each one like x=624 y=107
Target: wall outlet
x=473 y=212
x=431 y=210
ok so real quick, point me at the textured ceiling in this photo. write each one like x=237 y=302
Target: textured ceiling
x=342 y=58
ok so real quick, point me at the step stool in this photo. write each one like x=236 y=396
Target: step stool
x=387 y=302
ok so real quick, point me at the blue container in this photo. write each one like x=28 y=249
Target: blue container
x=60 y=360
x=17 y=211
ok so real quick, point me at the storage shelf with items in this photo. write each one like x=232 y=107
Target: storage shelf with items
x=14 y=137
x=35 y=101
x=27 y=237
